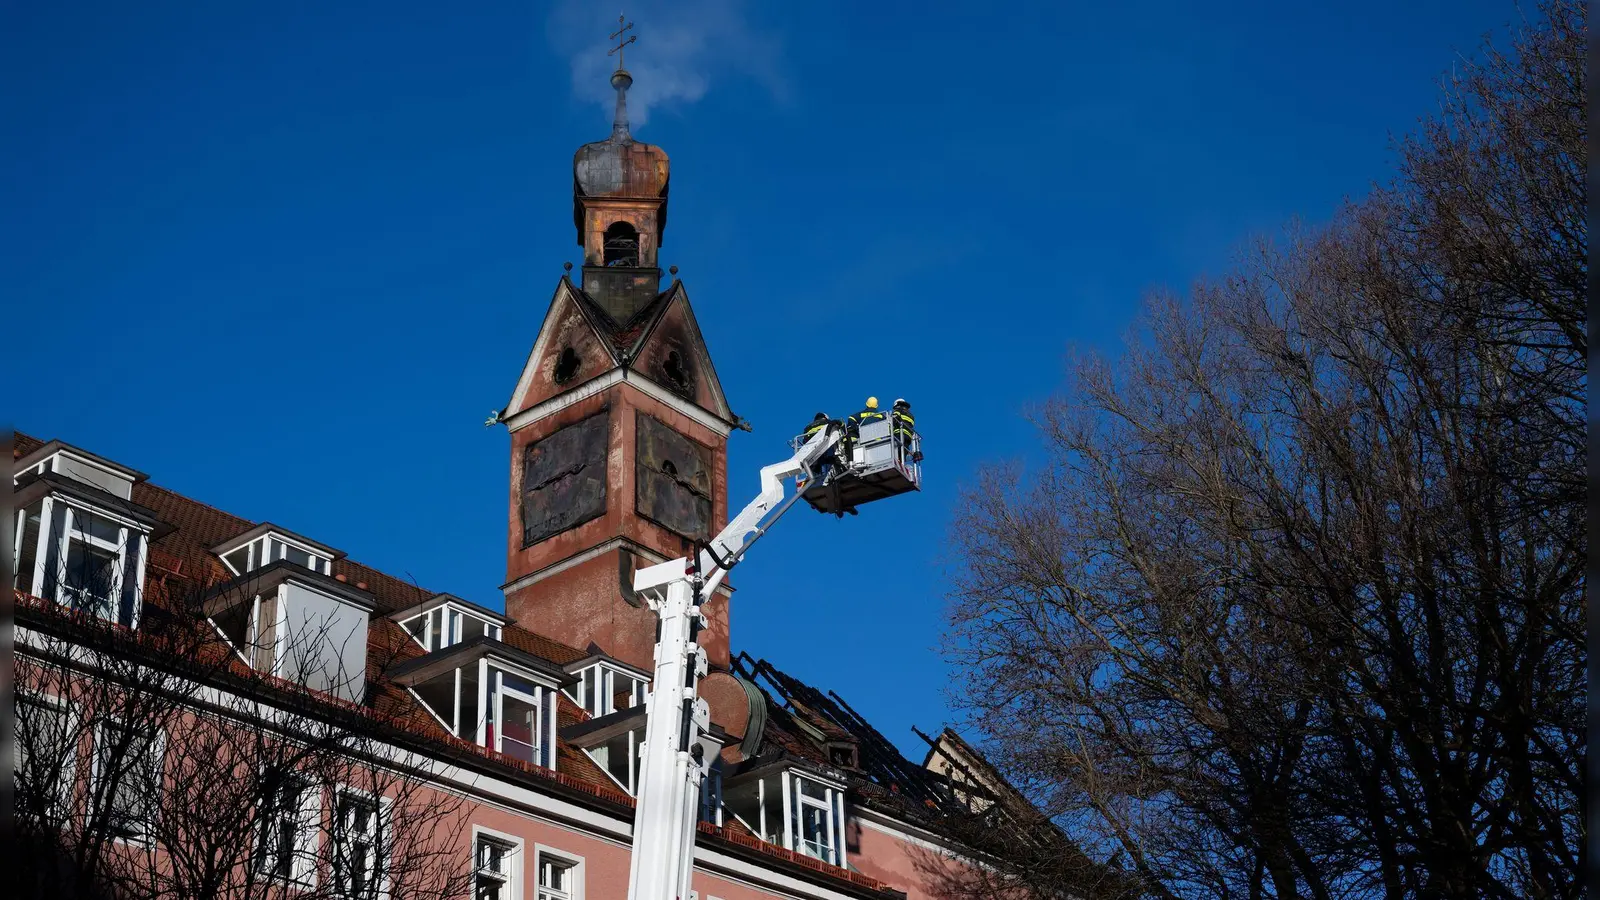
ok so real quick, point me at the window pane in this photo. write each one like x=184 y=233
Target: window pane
x=288 y=820
x=297 y=556
x=518 y=683
x=357 y=858
x=492 y=856
x=519 y=732
x=814 y=832
x=28 y=549
x=626 y=692
x=97 y=527
x=46 y=750
x=555 y=880
x=89 y=577
x=493 y=877
x=586 y=689
x=416 y=627
x=127 y=758
x=239 y=560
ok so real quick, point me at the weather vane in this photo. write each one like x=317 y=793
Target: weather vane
x=624 y=27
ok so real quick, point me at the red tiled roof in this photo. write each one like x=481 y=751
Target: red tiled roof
x=540 y=646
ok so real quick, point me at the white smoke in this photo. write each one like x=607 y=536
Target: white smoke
x=683 y=46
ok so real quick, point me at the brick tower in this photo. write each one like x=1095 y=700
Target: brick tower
x=618 y=424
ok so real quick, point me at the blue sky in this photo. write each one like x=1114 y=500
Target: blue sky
x=285 y=257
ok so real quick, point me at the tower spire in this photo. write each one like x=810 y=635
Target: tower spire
x=621 y=80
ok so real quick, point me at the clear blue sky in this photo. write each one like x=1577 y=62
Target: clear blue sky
x=285 y=256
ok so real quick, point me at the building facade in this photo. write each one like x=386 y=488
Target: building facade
x=524 y=724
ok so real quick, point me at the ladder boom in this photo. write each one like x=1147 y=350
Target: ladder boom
x=675 y=758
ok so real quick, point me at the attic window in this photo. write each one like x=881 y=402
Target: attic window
x=842 y=755
x=622 y=245
x=603 y=689
x=798 y=811
x=297 y=632
x=497 y=707
x=566 y=366
x=446 y=625
x=271 y=547
x=80 y=556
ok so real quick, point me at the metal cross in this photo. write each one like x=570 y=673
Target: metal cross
x=624 y=25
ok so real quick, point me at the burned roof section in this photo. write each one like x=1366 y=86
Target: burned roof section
x=805 y=723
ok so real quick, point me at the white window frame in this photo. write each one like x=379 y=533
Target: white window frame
x=71 y=720
x=602 y=688
x=434 y=632
x=631 y=786
x=252 y=629
x=382 y=811
x=544 y=738
x=307 y=837
x=158 y=744
x=795 y=803
x=119 y=548
x=574 y=865
x=490 y=707
x=16 y=546
x=269 y=548
x=512 y=878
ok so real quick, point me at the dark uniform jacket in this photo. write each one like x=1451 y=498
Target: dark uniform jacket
x=866 y=417
x=902 y=422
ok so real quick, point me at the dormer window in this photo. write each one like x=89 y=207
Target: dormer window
x=496 y=699
x=446 y=621
x=292 y=622
x=79 y=540
x=263 y=545
x=799 y=809
x=605 y=687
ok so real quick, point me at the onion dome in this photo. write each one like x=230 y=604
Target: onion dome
x=620 y=166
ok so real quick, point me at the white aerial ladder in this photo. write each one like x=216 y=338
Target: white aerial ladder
x=676 y=755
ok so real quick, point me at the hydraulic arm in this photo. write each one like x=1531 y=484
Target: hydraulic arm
x=675 y=756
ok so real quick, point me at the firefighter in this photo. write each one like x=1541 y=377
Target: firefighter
x=852 y=427
x=830 y=459
x=904 y=428
x=869 y=414
x=818 y=422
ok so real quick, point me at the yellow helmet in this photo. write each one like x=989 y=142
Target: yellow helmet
x=872 y=403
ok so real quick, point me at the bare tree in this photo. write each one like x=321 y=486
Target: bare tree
x=1297 y=606
x=159 y=763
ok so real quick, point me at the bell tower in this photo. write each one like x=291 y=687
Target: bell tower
x=619 y=205
x=618 y=423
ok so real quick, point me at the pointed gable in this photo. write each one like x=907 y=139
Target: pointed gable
x=580 y=341
x=671 y=351
x=572 y=347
